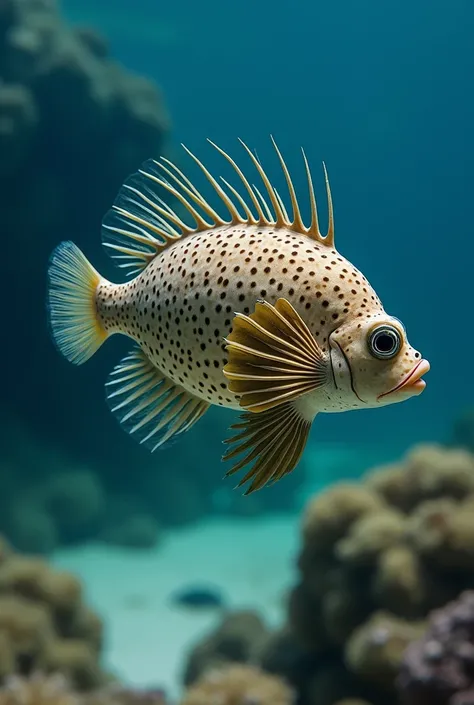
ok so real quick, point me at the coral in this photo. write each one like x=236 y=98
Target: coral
x=118 y=694
x=376 y=558
x=233 y=641
x=370 y=536
x=55 y=689
x=374 y=650
x=39 y=689
x=238 y=684
x=438 y=668
x=330 y=514
x=44 y=624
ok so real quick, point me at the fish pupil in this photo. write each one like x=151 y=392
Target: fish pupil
x=384 y=343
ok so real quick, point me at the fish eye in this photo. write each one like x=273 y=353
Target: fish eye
x=385 y=342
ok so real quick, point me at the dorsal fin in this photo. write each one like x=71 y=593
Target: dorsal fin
x=141 y=223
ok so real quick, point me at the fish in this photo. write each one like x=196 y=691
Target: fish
x=254 y=311
x=198 y=597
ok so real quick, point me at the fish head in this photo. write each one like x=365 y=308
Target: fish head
x=373 y=363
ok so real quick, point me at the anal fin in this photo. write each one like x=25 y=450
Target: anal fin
x=275 y=439
x=273 y=357
x=147 y=404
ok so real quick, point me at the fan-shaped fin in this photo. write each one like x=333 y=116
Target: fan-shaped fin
x=149 y=405
x=273 y=357
x=274 y=439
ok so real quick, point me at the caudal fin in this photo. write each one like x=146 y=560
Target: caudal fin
x=73 y=282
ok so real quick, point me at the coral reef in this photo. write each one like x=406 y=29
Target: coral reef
x=40 y=688
x=44 y=623
x=438 y=668
x=239 y=684
x=377 y=557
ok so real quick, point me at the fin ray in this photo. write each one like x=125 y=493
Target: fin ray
x=72 y=311
x=157 y=409
x=247 y=370
x=141 y=223
x=275 y=440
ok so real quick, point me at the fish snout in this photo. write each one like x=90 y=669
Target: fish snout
x=412 y=384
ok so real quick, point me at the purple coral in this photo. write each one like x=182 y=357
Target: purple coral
x=438 y=669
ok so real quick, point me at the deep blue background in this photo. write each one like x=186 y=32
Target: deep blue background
x=382 y=92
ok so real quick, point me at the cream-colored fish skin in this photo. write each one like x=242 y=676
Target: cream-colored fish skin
x=180 y=308
x=258 y=313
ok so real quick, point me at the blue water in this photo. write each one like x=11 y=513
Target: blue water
x=381 y=94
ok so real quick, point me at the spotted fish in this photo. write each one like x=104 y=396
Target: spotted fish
x=256 y=311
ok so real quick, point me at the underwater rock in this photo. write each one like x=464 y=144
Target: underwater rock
x=134 y=531
x=75 y=500
x=73 y=125
x=30 y=527
x=235 y=640
x=198 y=597
x=238 y=684
x=438 y=668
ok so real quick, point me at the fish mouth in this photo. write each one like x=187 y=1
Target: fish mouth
x=412 y=382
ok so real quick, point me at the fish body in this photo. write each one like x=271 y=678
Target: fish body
x=181 y=307
x=259 y=313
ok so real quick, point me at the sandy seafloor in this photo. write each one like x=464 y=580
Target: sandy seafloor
x=252 y=561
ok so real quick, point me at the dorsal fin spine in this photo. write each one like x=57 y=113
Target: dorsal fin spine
x=225 y=198
x=141 y=216
x=200 y=222
x=280 y=220
x=195 y=195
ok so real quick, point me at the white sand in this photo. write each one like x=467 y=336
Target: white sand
x=250 y=560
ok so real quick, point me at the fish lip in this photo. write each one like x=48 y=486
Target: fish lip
x=412 y=380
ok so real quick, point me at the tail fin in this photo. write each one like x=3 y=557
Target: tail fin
x=73 y=282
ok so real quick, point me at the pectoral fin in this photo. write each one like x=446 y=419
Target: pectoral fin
x=273 y=357
x=275 y=439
